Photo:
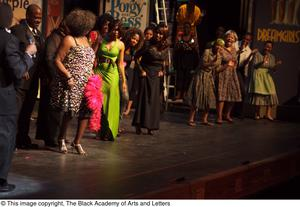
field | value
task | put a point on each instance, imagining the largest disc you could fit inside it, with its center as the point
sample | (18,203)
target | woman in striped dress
(201,92)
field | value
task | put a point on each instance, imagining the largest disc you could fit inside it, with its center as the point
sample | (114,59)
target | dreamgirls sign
(134,13)
(279,21)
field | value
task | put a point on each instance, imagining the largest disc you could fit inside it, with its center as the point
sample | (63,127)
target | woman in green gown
(111,50)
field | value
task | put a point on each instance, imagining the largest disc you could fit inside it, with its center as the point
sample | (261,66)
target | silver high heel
(62,146)
(78,148)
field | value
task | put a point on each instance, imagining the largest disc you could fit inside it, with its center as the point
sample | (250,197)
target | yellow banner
(275,35)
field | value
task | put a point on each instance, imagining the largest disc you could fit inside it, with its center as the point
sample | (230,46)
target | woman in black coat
(152,57)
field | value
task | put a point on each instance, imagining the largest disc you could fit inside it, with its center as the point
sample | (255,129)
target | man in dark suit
(27,32)
(13,65)
(49,128)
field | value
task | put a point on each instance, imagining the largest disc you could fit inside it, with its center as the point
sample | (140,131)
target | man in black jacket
(48,126)
(13,65)
(27,32)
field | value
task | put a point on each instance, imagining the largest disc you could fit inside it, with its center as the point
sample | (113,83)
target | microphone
(31,40)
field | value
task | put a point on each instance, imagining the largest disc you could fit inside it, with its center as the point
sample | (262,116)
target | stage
(221,161)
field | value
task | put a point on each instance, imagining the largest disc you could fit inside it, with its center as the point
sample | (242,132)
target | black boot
(5,187)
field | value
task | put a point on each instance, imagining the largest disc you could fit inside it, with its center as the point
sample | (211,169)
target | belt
(105,60)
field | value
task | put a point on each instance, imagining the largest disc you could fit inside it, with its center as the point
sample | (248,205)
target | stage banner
(19,7)
(279,21)
(133,13)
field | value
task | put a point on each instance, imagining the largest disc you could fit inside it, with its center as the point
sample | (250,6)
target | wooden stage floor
(142,166)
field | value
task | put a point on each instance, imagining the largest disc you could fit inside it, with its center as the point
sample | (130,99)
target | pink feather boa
(94,97)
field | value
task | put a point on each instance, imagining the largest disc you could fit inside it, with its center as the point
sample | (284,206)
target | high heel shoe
(78,148)
(270,118)
(62,146)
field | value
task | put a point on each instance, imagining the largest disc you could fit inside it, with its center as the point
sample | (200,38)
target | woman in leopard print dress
(74,61)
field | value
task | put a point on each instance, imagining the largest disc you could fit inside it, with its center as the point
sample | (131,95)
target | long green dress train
(108,70)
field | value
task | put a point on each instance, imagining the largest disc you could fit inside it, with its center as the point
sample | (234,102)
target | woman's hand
(266,59)
(160,73)
(143,74)
(220,50)
(231,63)
(71,82)
(124,86)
